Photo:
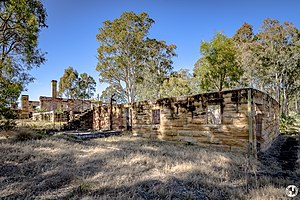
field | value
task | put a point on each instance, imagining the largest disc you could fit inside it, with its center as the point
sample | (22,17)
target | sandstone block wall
(25,106)
(219,119)
(187,119)
(102,121)
(50,116)
(266,120)
(50,104)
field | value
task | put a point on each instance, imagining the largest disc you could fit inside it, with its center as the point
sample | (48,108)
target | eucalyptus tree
(218,68)
(246,55)
(20,24)
(157,68)
(76,86)
(128,58)
(278,52)
(68,83)
(86,86)
(180,83)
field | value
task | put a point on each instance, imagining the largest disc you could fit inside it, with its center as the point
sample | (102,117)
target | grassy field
(129,167)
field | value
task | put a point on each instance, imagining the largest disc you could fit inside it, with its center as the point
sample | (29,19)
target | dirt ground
(126,167)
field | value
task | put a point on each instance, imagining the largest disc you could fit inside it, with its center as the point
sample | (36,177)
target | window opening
(214,114)
(156,116)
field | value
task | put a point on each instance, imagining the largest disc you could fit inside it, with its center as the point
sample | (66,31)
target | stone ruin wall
(25,107)
(101,117)
(50,116)
(266,120)
(189,119)
(50,104)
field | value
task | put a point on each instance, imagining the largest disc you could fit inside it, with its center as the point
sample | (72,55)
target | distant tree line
(139,68)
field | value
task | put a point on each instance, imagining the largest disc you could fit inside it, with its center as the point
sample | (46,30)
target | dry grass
(129,168)
(39,124)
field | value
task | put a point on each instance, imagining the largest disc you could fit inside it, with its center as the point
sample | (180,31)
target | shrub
(23,134)
(7,117)
(286,121)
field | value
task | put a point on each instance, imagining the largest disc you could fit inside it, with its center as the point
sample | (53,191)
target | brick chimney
(54,88)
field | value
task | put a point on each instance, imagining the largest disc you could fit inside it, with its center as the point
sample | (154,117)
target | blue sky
(70,39)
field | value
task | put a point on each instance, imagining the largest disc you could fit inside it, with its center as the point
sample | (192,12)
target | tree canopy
(127,57)
(180,83)
(68,83)
(270,58)
(218,68)
(76,86)
(20,25)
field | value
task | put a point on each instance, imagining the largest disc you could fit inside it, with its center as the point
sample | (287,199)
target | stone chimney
(25,103)
(54,88)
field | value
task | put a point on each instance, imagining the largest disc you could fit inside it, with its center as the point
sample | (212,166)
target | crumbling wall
(51,116)
(233,120)
(143,118)
(25,106)
(211,119)
(217,119)
(102,120)
(49,104)
(266,121)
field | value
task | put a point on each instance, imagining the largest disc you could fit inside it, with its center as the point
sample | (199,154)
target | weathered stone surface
(186,119)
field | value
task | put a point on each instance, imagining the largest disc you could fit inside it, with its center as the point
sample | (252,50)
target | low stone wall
(102,121)
(219,119)
(75,105)
(51,116)
(211,119)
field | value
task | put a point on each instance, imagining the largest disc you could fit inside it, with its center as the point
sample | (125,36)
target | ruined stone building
(239,120)
(234,119)
(46,106)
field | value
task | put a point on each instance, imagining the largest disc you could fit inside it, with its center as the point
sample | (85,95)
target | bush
(6,125)
(287,121)
(23,134)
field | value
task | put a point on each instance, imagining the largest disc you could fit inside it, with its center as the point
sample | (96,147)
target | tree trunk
(285,103)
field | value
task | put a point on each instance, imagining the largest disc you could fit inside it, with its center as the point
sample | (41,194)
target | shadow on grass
(127,168)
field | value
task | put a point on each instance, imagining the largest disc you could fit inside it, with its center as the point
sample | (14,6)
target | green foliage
(76,86)
(7,122)
(68,83)
(280,59)
(40,110)
(245,44)
(86,86)
(270,59)
(9,93)
(23,134)
(286,121)
(20,24)
(178,84)
(218,68)
(128,59)
(157,68)
(111,90)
